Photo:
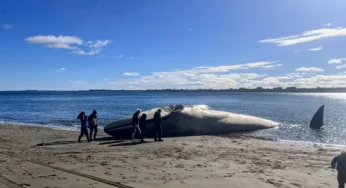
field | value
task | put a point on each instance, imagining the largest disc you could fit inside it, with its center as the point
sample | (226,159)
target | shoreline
(198,161)
(76,128)
(238,90)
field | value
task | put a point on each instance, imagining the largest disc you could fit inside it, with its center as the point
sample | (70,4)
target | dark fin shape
(317,121)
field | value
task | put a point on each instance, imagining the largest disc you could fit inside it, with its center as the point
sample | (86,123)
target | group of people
(90,121)
(139,125)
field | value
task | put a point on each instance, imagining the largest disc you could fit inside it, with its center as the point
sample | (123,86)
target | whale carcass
(179,120)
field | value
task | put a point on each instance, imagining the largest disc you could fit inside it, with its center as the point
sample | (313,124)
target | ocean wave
(311,144)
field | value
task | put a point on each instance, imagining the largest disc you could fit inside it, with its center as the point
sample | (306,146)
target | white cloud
(69,43)
(130,74)
(336,60)
(118,56)
(307,36)
(228,68)
(95,47)
(51,41)
(61,70)
(341,66)
(291,76)
(309,69)
(319,81)
(315,49)
(198,77)
(215,81)
(194,79)
(271,66)
(328,24)
(7,26)
(221,77)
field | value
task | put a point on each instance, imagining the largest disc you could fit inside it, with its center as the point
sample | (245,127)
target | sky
(177,44)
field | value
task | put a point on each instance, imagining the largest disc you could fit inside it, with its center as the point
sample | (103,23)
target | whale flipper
(317,121)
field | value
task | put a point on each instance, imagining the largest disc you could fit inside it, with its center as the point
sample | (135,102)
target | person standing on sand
(83,126)
(93,124)
(142,123)
(135,123)
(158,125)
(340,162)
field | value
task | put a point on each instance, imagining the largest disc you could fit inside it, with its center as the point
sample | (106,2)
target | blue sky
(133,44)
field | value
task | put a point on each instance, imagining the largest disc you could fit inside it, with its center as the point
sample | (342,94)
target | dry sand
(200,161)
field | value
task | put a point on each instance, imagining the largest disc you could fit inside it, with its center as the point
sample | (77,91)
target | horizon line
(173,89)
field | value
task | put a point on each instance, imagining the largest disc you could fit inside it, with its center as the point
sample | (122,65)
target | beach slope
(42,157)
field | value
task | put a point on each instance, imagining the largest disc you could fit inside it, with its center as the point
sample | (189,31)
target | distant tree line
(258,89)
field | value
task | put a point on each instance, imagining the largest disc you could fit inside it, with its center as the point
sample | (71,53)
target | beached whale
(179,120)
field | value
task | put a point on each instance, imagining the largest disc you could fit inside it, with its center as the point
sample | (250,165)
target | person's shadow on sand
(57,143)
(111,141)
(102,140)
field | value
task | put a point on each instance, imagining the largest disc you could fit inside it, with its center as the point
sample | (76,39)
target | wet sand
(28,156)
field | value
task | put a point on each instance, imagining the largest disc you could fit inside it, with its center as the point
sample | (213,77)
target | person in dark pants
(93,124)
(142,123)
(135,124)
(340,162)
(158,125)
(83,126)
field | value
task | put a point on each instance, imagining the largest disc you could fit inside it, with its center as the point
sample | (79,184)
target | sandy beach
(29,155)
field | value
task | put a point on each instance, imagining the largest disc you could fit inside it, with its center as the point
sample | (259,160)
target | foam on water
(52,126)
(312,144)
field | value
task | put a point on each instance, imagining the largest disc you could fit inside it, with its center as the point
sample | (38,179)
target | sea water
(59,109)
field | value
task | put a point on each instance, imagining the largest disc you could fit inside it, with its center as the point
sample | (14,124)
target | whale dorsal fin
(317,121)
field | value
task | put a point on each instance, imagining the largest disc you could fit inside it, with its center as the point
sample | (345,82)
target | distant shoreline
(240,90)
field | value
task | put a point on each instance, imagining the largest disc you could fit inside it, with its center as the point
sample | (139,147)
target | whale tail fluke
(317,121)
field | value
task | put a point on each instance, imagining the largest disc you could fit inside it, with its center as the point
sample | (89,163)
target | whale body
(180,120)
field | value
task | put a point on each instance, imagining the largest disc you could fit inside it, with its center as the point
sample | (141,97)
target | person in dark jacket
(340,162)
(93,124)
(158,125)
(83,126)
(142,123)
(135,123)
